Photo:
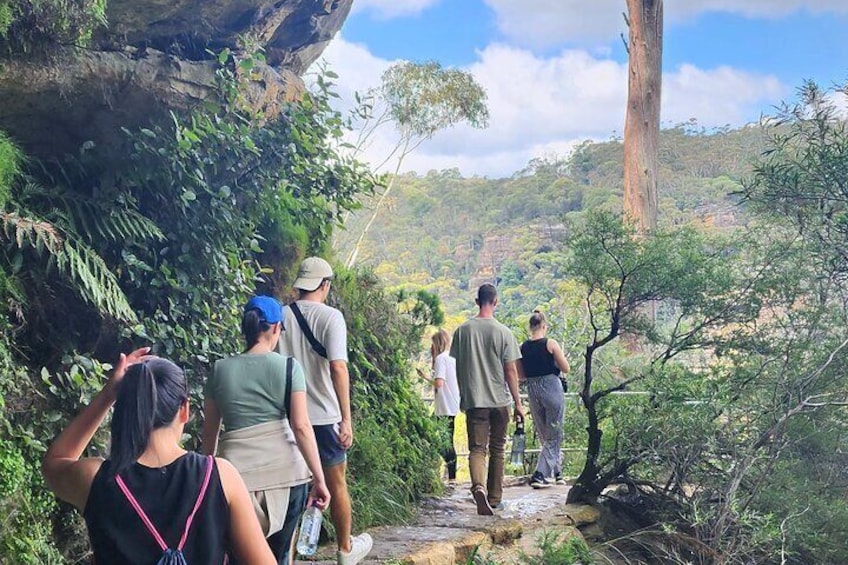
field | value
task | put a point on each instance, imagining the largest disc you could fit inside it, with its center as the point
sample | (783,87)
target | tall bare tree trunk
(642,124)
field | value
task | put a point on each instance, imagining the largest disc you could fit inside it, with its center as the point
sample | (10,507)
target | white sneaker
(360,546)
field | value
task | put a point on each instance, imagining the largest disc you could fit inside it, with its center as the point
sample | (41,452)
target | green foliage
(204,210)
(554,550)
(424,98)
(802,177)
(11,160)
(27,25)
(26,507)
(732,406)
(422,307)
(701,293)
(237,195)
(394,460)
(60,231)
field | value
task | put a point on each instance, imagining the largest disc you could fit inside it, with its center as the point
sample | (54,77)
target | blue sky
(555,70)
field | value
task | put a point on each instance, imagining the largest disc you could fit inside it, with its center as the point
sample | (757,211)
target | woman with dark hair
(542,360)
(152,500)
(260,397)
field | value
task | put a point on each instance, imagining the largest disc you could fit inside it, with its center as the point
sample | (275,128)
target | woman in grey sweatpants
(542,361)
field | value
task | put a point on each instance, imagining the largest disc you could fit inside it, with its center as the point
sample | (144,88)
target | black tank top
(167,495)
(536,359)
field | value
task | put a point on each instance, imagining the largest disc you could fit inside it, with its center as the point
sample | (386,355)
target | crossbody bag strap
(149,525)
(287,399)
(307,331)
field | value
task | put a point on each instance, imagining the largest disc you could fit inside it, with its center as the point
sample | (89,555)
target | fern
(35,233)
(74,259)
(68,227)
(94,281)
(89,217)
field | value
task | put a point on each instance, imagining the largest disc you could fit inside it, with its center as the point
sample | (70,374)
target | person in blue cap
(260,397)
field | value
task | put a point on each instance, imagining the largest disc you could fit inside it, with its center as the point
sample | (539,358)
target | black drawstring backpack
(169,556)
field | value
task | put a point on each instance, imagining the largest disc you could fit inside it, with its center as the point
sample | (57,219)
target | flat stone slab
(447,529)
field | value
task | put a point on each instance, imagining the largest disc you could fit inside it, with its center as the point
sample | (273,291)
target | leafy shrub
(26,506)
(30,24)
(558,551)
(395,458)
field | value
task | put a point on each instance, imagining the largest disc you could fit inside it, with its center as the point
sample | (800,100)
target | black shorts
(330,450)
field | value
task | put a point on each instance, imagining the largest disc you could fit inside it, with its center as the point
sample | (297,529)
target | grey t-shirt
(481,346)
(328,327)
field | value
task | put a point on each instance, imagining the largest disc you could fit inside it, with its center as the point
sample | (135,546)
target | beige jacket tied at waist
(268,459)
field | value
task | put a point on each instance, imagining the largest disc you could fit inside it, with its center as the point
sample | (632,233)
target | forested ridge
(728,321)
(445,232)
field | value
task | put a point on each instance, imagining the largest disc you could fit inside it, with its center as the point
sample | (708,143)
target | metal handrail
(576,396)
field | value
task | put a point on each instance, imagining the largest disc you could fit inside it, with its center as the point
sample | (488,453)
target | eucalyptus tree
(419,99)
(802,178)
(621,274)
(642,123)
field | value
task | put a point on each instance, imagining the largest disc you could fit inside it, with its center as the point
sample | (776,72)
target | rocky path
(448,531)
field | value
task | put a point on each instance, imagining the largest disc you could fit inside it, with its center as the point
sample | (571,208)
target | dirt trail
(447,530)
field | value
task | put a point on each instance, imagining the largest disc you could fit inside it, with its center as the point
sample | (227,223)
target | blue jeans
(281,541)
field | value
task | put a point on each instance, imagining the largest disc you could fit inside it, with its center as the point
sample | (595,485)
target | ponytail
(149,396)
(252,326)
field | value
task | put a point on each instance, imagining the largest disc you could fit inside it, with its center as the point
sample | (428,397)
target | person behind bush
(542,360)
(152,501)
(446,391)
(260,396)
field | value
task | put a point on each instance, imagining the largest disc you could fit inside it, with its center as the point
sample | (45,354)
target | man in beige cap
(316,335)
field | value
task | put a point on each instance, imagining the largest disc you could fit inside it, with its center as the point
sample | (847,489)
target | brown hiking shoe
(483,508)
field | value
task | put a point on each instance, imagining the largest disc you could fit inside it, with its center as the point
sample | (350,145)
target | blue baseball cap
(270,309)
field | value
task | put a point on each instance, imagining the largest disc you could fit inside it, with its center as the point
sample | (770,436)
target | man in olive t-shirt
(486,356)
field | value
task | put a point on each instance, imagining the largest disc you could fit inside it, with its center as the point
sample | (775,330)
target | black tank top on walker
(536,359)
(167,496)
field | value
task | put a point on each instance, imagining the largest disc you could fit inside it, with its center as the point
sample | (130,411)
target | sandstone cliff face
(154,57)
(293,32)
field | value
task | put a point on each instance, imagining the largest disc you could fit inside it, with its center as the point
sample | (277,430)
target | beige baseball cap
(312,271)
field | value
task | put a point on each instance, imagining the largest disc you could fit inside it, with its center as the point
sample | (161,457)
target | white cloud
(542,105)
(718,96)
(839,100)
(387,9)
(541,23)
(359,70)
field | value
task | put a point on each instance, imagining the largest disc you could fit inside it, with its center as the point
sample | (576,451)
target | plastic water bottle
(310,530)
(518,442)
